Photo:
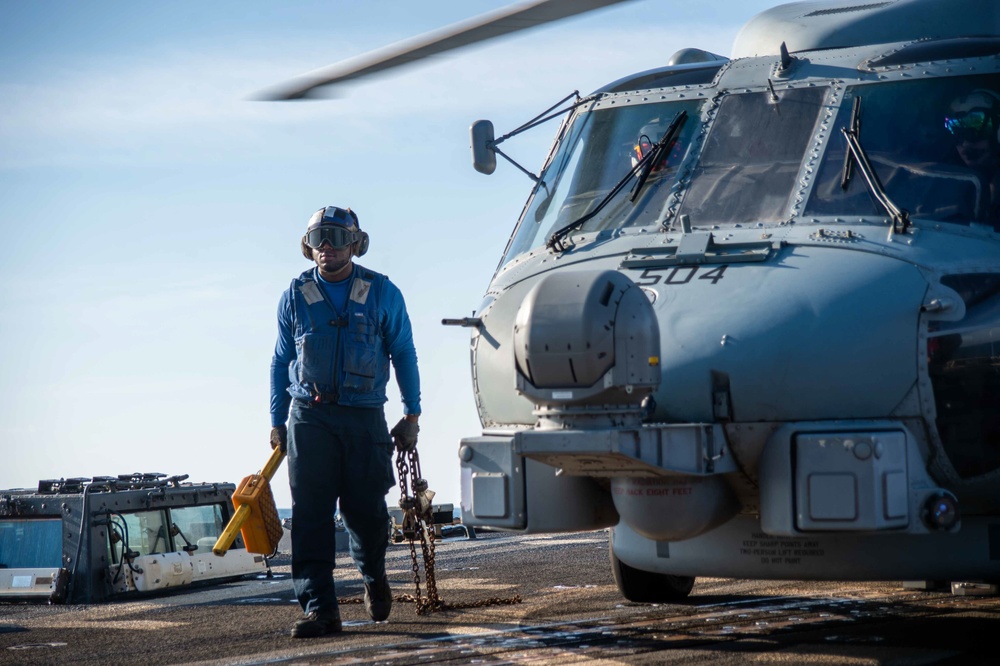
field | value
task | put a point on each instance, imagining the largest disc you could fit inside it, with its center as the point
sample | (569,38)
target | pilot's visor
(336,236)
(972,126)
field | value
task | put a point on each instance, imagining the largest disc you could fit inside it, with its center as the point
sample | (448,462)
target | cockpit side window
(139,533)
(934,144)
(964,367)
(190,529)
(750,163)
(196,528)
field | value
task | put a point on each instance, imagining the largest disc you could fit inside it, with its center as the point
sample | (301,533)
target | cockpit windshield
(934,144)
(598,150)
(749,166)
(745,174)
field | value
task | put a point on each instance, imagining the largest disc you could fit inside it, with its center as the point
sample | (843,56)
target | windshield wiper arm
(643,167)
(658,152)
(848,172)
(856,153)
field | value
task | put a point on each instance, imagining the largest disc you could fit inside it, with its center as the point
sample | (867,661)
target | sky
(151,212)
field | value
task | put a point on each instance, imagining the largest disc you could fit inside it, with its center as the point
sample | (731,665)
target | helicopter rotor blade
(481,28)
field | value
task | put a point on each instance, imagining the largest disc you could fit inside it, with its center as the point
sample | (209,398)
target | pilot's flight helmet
(648,135)
(975,116)
(337,226)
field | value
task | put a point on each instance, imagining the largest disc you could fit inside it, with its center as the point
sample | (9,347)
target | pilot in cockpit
(973,121)
(644,142)
(648,136)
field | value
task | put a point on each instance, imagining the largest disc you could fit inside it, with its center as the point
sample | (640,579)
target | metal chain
(418,521)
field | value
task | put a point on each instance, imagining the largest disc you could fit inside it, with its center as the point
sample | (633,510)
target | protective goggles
(975,125)
(336,236)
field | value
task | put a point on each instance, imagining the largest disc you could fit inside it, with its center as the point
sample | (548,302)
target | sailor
(339,327)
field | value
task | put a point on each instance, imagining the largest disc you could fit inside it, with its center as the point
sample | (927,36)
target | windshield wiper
(643,167)
(856,154)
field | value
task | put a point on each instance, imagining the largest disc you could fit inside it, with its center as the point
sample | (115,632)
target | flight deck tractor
(87,540)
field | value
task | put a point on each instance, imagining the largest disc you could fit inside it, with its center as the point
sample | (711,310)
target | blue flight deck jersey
(339,339)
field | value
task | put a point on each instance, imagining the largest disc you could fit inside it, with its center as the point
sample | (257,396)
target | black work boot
(317,624)
(378,599)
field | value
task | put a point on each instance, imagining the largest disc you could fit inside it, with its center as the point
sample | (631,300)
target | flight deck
(570,612)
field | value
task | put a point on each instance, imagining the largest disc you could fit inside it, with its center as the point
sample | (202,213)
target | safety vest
(340,353)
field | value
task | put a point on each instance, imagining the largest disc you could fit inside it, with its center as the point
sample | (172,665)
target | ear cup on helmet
(361,247)
(342,217)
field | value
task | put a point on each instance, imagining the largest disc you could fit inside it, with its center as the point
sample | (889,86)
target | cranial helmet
(337,226)
(649,134)
(975,116)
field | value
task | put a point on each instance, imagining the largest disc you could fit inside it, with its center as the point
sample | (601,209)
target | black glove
(279,438)
(405,434)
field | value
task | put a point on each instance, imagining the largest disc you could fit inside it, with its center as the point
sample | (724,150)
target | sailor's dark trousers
(337,453)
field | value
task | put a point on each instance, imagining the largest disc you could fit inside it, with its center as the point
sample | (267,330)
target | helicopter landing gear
(647,586)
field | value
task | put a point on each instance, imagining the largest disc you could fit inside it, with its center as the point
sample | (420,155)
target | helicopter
(749,317)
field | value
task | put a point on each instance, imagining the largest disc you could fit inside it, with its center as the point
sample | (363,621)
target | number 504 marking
(680,275)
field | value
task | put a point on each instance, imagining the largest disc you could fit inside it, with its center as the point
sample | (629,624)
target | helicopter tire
(647,586)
